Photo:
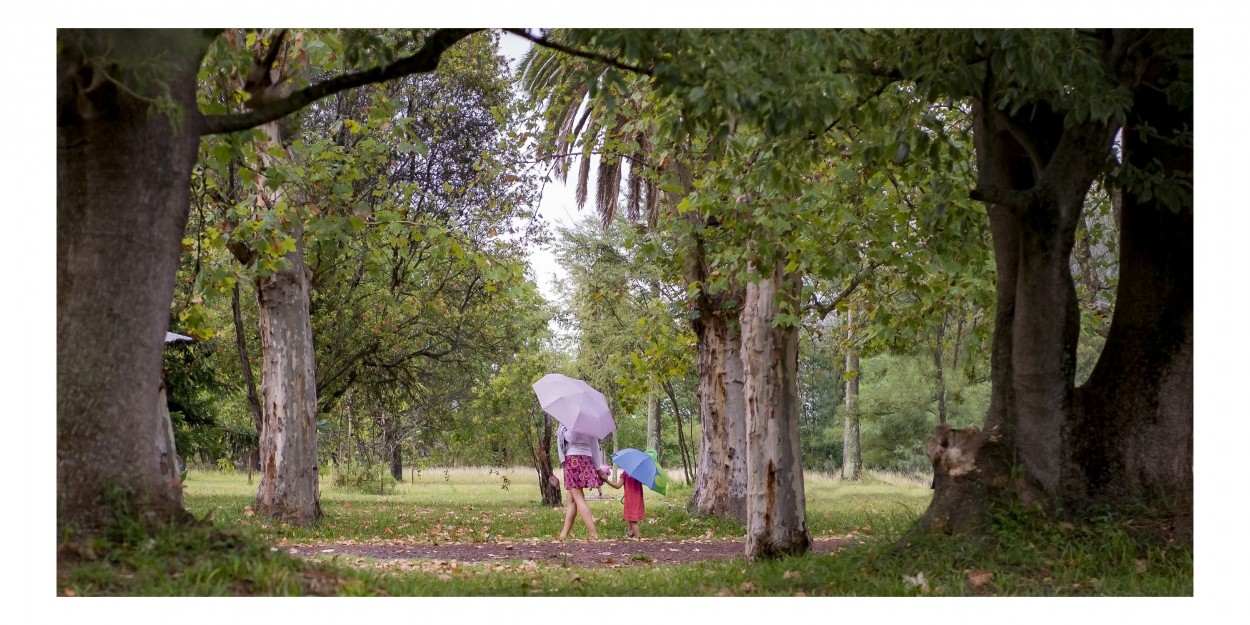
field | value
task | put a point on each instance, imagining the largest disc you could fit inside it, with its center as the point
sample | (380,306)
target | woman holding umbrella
(580,456)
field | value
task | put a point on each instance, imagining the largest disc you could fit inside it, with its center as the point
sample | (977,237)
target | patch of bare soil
(581,553)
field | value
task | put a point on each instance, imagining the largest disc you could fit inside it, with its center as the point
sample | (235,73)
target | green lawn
(1026,556)
(472,504)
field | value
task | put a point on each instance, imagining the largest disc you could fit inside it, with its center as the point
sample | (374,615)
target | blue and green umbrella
(642,466)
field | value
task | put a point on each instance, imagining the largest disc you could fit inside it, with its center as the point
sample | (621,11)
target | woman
(580,456)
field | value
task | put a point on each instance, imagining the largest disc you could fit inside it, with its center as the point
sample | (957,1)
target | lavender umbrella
(575,404)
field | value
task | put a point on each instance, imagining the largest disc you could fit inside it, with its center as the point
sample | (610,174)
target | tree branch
(1016,201)
(594,56)
(812,136)
(423,61)
(824,308)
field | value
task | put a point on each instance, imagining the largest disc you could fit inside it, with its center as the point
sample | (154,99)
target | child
(634,508)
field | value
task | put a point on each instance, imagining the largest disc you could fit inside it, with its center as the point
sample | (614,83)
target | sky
(28,264)
(557,207)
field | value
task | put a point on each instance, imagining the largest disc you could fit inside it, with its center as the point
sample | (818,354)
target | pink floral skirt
(579,472)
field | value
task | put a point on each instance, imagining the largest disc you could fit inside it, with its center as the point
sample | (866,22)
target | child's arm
(607,479)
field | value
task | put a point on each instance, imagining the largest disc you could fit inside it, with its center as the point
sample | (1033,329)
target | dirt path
(602,553)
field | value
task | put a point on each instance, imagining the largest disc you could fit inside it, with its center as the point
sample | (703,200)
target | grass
(1027,555)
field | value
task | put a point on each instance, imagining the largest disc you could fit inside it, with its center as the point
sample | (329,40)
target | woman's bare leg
(583,510)
(570,511)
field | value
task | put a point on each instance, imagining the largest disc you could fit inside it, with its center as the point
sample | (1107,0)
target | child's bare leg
(633,529)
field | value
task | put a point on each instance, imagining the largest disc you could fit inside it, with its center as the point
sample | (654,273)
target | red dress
(634,509)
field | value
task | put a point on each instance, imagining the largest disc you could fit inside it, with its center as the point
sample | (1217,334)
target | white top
(570,443)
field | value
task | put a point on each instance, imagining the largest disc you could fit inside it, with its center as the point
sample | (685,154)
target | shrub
(373,479)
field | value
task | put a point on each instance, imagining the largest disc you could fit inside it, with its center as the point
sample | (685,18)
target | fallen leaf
(800,594)
(746,586)
(791,575)
(69,592)
(917,580)
(979,578)
(1141,566)
(725,592)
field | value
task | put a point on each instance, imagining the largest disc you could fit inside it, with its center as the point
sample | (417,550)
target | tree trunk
(681,434)
(1033,361)
(396,447)
(941,376)
(541,457)
(1132,432)
(720,479)
(249,382)
(123,174)
(852,460)
(653,423)
(167,454)
(288,487)
(245,363)
(776,508)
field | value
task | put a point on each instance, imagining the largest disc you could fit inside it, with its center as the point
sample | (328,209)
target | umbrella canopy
(642,467)
(170,337)
(575,404)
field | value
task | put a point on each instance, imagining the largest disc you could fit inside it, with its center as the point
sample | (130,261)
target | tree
(591,106)
(382,193)
(1038,152)
(128,128)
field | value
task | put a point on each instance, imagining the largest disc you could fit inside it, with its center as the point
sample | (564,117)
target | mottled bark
(720,479)
(720,476)
(166,453)
(940,374)
(123,174)
(288,487)
(776,507)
